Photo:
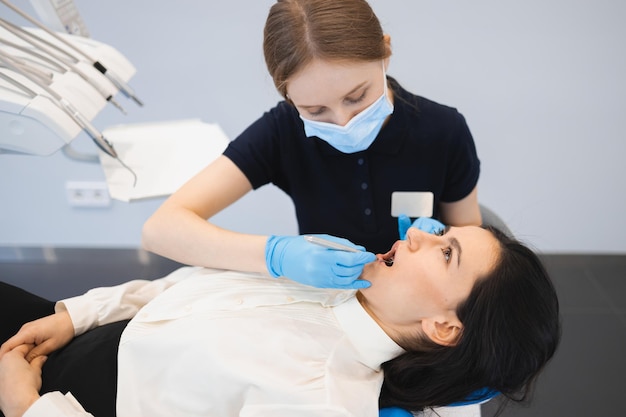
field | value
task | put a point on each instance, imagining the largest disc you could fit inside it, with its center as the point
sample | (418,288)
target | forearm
(104,305)
(20,409)
(465,212)
(179,228)
(19,403)
(183,236)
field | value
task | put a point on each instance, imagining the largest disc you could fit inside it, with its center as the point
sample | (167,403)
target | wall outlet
(87,194)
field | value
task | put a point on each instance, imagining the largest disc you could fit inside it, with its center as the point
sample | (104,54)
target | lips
(388,258)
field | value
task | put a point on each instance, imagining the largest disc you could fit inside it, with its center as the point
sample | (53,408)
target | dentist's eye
(356,100)
(317,112)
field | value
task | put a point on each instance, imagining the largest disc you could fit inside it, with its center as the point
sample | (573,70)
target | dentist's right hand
(299,260)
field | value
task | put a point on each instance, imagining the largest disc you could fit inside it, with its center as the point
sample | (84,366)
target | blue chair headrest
(477,397)
(393,412)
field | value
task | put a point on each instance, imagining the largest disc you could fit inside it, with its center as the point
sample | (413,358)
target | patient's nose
(417,238)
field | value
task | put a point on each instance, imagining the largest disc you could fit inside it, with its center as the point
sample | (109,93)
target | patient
(455,312)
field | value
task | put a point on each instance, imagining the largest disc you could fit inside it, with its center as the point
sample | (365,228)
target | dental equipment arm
(61,102)
(52,86)
(112,76)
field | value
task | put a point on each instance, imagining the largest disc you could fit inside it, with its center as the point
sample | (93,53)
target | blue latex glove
(426,224)
(299,260)
(393,412)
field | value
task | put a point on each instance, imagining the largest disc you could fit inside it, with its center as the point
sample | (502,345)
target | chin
(371,272)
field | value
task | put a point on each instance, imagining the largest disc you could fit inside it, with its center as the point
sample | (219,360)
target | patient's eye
(447,254)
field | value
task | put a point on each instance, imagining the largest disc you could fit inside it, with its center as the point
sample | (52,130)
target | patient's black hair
(511,329)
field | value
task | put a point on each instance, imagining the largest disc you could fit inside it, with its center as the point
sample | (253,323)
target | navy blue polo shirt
(424,146)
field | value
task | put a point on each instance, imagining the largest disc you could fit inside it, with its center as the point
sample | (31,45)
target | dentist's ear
(387,40)
(444,332)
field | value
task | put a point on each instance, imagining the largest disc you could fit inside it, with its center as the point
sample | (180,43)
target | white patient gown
(216,343)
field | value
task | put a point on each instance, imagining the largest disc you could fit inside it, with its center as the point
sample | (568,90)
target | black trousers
(87,366)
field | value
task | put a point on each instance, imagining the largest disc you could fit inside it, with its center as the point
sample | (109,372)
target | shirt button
(368,212)
(361,161)
(239,301)
(290,299)
(364,186)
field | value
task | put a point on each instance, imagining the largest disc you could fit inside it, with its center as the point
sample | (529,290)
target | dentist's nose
(343,118)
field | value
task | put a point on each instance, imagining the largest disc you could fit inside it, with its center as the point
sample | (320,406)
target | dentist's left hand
(425,224)
(299,260)
(20,381)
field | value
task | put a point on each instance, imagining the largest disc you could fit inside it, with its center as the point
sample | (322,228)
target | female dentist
(345,138)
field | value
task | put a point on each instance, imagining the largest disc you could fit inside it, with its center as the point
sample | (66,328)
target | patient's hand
(20,381)
(45,335)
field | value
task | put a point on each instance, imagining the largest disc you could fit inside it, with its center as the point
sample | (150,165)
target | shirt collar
(372,344)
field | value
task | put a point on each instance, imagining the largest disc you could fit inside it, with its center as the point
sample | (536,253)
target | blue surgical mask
(359,133)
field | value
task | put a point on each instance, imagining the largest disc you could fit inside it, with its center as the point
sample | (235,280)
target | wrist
(272,258)
(21,406)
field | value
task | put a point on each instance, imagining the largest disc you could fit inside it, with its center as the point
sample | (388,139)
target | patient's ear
(444,332)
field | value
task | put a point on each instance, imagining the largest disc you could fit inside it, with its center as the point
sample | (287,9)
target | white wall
(541,84)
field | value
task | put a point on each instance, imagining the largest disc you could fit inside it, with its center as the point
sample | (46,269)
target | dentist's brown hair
(298,31)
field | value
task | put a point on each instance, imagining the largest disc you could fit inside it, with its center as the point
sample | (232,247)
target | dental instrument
(329,244)
(34,121)
(17,66)
(56,56)
(114,78)
(13,65)
(337,246)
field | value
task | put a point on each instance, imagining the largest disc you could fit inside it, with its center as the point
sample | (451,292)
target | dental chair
(492,219)
(471,406)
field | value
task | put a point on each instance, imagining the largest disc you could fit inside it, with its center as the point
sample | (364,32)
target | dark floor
(582,380)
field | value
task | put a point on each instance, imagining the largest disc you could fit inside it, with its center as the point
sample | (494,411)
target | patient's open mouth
(388,258)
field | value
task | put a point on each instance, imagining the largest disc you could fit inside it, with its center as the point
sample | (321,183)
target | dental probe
(329,244)
(337,246)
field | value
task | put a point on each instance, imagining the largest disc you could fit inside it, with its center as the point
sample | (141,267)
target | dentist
(343,140)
